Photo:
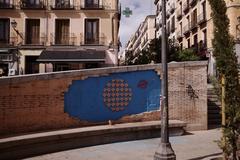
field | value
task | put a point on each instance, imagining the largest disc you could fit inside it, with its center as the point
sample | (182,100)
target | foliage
(226,61)
(153,54)
(187,55)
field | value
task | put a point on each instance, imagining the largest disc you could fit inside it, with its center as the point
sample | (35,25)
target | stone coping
(47,142)
(95,72)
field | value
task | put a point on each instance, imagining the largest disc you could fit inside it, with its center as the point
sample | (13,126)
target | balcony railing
(34,41)
(94,6)
(201,18)
(25,4)
(6,4)
(194,25)
(186,29)
(101,40)
(63,5)
(186,6)
(172,7)
(179,35)
(168,14)
(192,2)
(179,13)
(65,40)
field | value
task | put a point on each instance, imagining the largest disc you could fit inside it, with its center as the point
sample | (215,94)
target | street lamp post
(164,151)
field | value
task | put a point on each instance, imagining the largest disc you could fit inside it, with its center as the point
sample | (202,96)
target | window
(195,38)
(173,24)
(62,31)
(204,9)
(194,18)
(4,31)
(91,31)
(92,3)
(189,43)
(32,31)
(205,37)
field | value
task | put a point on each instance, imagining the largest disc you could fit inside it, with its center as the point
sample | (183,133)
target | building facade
(143,36)
(189,22)
(39,36)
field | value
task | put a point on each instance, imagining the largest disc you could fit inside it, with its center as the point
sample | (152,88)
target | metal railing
(186,6)
(60,5)
(201,18)
(7,4)
(186,29)
(194,24)
(179,13)
(41,4)
(172,7)
(65,39)
(31,40)
(93,6)
(179,34)
(192,2)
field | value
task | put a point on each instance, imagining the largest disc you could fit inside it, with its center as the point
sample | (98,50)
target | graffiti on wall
(98,99)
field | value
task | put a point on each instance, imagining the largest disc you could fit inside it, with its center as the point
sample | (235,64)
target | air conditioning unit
(12,72)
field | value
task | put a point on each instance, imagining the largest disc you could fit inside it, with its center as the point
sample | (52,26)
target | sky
(140,9)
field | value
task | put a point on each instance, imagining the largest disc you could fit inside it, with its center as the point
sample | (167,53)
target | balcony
(192,2)
(26,4)
(168,14)
(186,29)
(179,35)
(179,14)
(62,5)
(63,40)
(33,41)
(93,6)
(6,4)
(194,25)
(186,6)
(201,18)
(172,8)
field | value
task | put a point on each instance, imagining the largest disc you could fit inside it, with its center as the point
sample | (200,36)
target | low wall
(32,103)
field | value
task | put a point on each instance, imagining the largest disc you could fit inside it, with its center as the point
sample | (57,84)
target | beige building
(55,35)
(190,23)
(143,36)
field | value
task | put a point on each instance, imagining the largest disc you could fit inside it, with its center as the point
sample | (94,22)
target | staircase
(214,109)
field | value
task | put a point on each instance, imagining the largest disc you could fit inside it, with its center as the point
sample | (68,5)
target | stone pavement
(193,146)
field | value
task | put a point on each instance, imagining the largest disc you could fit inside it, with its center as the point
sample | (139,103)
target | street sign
(127,12)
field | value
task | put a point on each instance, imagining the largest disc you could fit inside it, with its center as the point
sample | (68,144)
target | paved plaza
(192,146)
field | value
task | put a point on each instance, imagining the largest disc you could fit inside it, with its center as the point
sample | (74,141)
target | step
(214,121)
(41,143)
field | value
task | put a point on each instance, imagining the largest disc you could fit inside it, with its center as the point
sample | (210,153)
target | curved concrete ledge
(41,143)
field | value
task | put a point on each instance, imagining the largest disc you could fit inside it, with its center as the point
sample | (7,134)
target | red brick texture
(36,102)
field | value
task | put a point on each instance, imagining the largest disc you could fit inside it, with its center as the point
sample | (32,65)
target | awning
(72,56)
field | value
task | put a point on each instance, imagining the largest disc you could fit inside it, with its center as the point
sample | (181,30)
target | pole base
(165,152)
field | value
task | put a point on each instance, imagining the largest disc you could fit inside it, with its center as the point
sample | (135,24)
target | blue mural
(99,99)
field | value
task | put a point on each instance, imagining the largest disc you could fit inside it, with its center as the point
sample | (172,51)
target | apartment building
(189,22)
(39,36)
(143,36)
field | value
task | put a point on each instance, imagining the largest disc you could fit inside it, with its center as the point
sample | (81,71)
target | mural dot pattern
(116,95)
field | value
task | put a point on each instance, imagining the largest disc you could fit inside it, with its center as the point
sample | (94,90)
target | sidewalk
(194,146)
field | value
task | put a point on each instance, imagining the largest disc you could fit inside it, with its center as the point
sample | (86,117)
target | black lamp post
(164,151)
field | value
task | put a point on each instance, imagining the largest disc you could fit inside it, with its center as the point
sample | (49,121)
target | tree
(226,62)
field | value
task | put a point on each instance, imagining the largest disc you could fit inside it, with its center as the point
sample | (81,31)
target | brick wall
(33,103)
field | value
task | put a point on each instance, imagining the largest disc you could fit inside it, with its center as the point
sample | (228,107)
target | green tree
(226,62)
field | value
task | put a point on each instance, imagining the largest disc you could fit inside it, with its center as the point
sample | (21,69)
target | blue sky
(140,8)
